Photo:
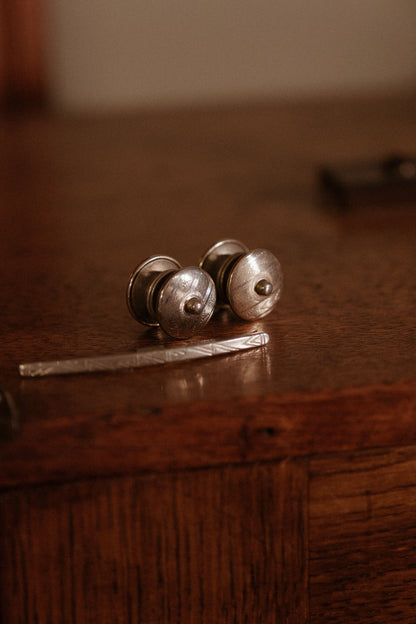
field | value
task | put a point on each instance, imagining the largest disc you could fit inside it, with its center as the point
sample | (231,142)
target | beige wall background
(129,53)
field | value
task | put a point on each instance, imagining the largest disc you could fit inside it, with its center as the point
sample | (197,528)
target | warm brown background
(101,55)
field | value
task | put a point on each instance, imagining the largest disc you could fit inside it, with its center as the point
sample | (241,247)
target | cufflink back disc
(179,300)
(250,282)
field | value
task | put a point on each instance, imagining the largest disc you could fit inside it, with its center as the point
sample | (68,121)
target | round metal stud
(179,300)
(250,282)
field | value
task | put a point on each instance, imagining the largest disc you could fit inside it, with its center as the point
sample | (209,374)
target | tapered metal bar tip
(152,356)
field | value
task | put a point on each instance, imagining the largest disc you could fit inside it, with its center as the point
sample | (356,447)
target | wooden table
(276,485)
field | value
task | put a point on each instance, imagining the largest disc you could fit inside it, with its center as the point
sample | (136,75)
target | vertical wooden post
(22,59)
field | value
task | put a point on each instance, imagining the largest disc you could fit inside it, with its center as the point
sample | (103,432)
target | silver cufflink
(250,282)
(162,293)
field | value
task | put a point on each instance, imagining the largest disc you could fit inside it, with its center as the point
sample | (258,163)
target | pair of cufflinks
(181,300)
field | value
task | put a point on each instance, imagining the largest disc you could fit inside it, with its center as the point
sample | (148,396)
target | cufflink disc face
(185,302)
(254,284)
(179,300)
(216,261)
(141,286)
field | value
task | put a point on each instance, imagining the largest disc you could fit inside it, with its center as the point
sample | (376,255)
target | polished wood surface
(275,485)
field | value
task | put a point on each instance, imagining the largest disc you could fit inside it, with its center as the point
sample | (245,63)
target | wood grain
(363,537)
(204,546)
(201,434)
(83,200)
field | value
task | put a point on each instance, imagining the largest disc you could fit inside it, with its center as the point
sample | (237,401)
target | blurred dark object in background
(388,181)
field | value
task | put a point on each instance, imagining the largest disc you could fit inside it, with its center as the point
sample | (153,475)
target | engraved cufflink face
(179,300)
(250,282)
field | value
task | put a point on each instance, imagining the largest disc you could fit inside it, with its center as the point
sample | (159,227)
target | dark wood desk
(277,485)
